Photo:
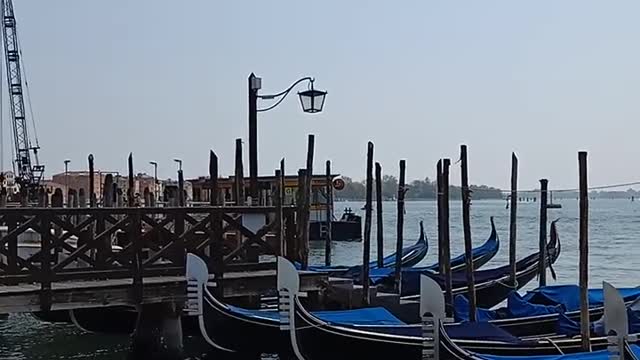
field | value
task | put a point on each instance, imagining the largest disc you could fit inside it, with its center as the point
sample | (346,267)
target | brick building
(80,180)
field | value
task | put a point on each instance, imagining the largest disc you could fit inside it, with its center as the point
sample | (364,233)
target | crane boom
(28,172)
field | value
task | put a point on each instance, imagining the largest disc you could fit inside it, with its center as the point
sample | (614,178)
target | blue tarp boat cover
(547,300)
(517,306)
(594,355)
(569,296)
(366,316)
(480,331)
(635,349)
(461,310)
(569,327)
(465,330)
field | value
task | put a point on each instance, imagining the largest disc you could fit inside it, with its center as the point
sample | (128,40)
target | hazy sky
(167,79)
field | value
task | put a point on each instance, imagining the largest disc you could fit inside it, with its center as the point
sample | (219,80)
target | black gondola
(226,326)
(480,256)
(314,339)
(492,285)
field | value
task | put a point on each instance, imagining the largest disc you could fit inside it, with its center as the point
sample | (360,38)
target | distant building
(77,180)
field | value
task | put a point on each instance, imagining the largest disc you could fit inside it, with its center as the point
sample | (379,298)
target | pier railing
(46,245)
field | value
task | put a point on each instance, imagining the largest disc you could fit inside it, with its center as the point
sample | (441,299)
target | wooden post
(146,195)
(329,214)
(24,197)
(542,272)
(41,197)
(92,186)
(3,197)
(584,252)
(302,220)
(12,245)
(181,195)
(440,216)
(45,262)
(400,226)
(104,247)
(216,245)
(513,216)
(135,234)
(446,245)
(82,198)
(366,249)
(277,202)
(131,189)
(238,188)
(379,220)
(290,236)
(466,224)
(281,196)
(307,198)
(253,137)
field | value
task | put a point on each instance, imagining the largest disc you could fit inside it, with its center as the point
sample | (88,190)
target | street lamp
(155,178)
(311,100)
(66,179)
(179,164)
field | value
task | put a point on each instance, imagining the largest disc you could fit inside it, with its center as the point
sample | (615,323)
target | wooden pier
(77,266)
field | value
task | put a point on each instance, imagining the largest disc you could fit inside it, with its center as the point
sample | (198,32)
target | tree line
(417,189)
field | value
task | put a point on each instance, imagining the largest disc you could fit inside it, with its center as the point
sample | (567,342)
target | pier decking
(67,295)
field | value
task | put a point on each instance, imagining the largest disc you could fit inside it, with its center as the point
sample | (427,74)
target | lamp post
(179,161)
(155,178)
(66,179)
(311,100)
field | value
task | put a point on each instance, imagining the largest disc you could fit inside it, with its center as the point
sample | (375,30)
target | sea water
(614,229)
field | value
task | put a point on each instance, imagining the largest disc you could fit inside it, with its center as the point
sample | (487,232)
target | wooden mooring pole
(329,215)
(466,224)
(513,218)
(446,245)
(366,248)
(238,188)
(400,226)
(379,220)
(281,198)
(584,252)
(131,189)
(542,245)
(439,209)
(216,264)
(306,207)
(92,185)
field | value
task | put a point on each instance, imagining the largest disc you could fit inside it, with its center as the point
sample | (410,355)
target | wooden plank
(112,292)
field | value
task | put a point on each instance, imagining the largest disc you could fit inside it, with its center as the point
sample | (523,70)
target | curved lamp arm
(283,93)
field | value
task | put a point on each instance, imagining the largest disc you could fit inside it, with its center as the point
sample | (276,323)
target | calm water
(614,228)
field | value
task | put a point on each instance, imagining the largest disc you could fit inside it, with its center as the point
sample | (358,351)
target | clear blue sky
(167,79)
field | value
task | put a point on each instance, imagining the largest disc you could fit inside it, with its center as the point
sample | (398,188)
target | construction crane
(28,170)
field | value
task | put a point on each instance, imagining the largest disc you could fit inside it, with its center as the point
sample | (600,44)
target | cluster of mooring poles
(444,251)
